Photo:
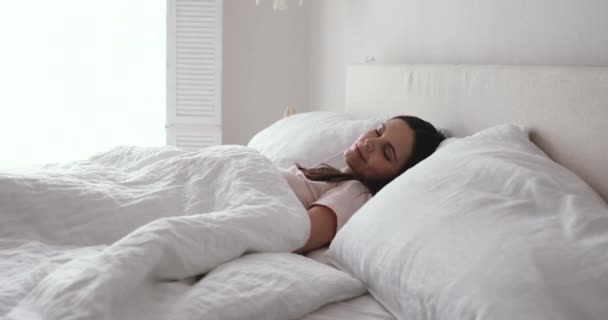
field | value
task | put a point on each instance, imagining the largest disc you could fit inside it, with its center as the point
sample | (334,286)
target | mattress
(361,308)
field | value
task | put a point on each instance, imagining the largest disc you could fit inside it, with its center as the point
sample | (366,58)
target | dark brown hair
(426,140)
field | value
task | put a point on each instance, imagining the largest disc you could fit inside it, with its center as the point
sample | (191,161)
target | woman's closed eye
(386,154)
(385,151)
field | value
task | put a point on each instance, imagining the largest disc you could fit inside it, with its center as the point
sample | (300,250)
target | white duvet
(128,233)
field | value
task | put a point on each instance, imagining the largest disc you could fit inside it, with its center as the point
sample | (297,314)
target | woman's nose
(369,144)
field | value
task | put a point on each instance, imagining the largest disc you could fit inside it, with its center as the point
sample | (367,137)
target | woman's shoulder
(353,186)
(292,171)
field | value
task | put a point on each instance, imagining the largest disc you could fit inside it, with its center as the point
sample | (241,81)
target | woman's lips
(359,153)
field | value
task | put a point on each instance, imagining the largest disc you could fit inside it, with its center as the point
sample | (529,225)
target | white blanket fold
(115,236)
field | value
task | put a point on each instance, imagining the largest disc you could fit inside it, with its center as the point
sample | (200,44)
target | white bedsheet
(364,307)
(122,235)
(361,308)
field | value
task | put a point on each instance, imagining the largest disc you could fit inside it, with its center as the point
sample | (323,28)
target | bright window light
(80,76)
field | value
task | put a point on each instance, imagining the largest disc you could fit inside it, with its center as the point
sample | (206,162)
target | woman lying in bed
(333,195)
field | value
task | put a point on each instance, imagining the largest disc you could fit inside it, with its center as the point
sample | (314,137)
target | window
(80,76)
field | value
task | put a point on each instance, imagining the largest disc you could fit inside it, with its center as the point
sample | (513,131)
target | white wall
(328,53)
(548,32)
(265,67)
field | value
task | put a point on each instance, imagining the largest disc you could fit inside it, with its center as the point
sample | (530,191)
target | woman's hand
(323,224)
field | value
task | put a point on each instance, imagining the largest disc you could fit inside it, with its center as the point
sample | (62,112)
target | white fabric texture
(488,227)
(115,236)
(364,307)
(273,286)
(311,138)
(360,308)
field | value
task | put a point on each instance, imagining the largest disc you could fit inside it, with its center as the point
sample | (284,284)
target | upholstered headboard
(566,108)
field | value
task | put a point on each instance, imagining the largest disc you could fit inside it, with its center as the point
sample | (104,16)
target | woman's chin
(350,160)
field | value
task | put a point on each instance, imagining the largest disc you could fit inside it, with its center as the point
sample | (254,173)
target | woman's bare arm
(323,225)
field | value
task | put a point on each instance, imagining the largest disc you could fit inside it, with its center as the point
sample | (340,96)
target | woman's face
(381,152)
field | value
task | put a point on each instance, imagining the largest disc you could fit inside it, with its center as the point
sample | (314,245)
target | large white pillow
(488,227)
(311,138)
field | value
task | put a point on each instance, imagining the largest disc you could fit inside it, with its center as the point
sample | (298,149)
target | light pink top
(344,198)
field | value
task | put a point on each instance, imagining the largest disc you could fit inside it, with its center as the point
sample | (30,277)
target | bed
(565,107)
(545,260)
(364,307)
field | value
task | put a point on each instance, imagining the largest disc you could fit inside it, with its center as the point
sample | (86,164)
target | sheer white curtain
(80,76)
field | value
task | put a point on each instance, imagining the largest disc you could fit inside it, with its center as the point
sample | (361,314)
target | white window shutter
(194,64)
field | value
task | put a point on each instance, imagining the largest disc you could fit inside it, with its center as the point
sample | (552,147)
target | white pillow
(488,227)
(311,138)
(272,286)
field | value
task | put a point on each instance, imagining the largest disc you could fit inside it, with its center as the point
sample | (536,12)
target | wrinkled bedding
(128,233)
